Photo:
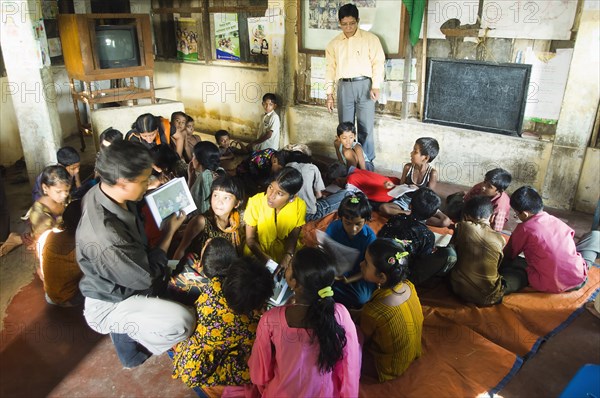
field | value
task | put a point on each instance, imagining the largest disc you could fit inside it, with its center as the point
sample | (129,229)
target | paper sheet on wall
(549,73)
(523,19)
(439,11)
(318,66)
(529,19)
(394,69)
(392,91)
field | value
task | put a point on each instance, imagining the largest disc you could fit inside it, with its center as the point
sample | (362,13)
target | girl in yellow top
(274,219)
(392,321)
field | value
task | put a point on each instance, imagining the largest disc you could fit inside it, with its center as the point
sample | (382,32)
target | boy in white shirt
(270,126)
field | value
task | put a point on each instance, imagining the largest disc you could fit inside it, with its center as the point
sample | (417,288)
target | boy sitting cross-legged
(478,247)
(553,263)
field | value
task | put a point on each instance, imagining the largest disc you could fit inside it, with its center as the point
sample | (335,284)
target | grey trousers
(354,102)
(155,323)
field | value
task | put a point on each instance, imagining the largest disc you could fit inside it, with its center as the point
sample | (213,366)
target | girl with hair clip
(46,212)
(202,170)
(352,230)
(221,220)
(392,321)
(309,348)
(275,218)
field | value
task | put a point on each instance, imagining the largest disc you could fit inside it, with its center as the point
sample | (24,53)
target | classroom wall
(11,149)
(465,155)
(588,189)
(217,97)
(10,142)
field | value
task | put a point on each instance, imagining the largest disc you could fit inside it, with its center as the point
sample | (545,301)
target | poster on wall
(318,67)
(323,14)
(187,39)
(549,73)
(227,36)
(257,35)
(42,40)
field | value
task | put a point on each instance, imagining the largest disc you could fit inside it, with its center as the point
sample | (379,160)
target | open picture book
(400,190)
(281,292)
(172,197)
(344,257)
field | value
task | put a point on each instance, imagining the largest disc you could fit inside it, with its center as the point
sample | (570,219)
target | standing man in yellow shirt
(355,62)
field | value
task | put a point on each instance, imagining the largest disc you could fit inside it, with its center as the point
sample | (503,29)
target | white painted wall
(10,142)
(588,189)
(217,97)
(464,158)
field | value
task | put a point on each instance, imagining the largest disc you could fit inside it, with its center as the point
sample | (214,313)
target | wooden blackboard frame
(454,87)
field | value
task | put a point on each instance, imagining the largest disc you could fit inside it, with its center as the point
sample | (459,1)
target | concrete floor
(49,351)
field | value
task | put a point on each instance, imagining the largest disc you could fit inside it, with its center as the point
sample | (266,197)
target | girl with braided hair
(392,321)
(309,348)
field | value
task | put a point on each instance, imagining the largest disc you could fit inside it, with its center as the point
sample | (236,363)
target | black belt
(354,79)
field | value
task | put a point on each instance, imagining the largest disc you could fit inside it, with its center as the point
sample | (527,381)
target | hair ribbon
(325,292)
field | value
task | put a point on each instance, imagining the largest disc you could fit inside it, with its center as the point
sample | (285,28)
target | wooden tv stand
(89,92)
(82,61)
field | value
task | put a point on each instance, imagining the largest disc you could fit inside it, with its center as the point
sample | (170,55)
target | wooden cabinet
(87,65)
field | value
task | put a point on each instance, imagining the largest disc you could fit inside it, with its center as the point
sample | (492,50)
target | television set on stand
(117,46)
(106,46)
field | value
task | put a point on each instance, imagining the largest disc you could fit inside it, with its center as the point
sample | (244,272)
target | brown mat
(468,350)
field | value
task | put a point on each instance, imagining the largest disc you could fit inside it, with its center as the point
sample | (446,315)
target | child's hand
(388,185)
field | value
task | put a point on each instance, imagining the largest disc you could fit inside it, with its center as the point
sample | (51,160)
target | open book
(282,292)
(400,190)
(344,257)
(172,197)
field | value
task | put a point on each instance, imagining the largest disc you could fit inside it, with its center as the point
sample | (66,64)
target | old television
(102,46)
(117,46)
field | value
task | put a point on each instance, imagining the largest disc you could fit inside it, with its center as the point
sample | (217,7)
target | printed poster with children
(187,39)
(257,29)
(323,14)
(227,37)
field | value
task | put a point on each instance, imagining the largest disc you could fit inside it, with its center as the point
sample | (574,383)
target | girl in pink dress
(309,348)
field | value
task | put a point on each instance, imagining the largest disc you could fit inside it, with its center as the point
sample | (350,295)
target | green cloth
(415,9)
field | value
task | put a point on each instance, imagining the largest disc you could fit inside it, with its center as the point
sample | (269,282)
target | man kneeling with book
(123,279)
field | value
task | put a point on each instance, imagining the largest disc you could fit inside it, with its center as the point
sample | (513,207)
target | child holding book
(222,219)
(392,321)
(275,218)
(323,357)
(419,173)
(553,263)
(228,310)
(475,276)
(197,268)
(352,230)
(427,261)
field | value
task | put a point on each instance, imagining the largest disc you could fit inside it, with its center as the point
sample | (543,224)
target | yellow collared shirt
(359,55)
